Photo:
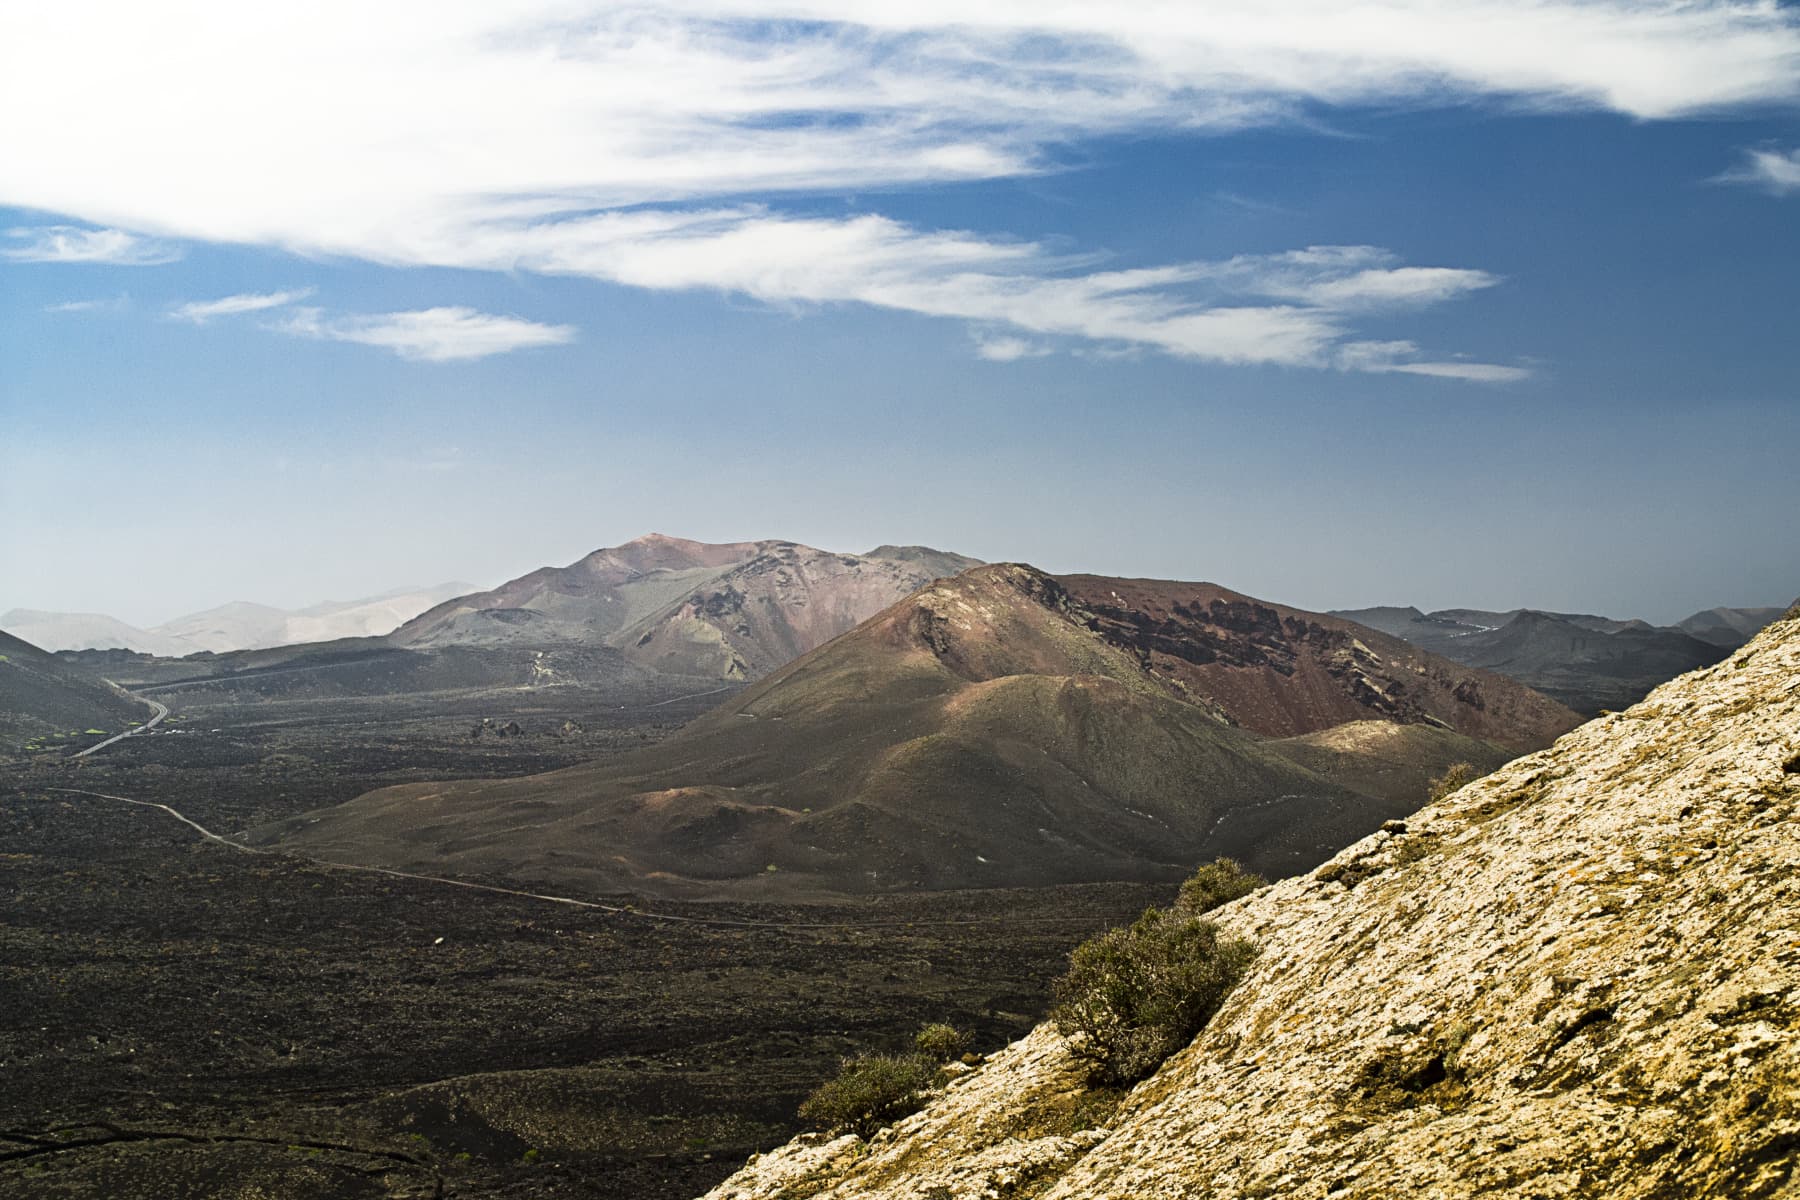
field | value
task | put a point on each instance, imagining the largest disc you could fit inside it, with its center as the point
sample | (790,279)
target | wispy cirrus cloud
(201,311)
(1769,168)
(1292,309)
(109,304)
(603,139)
(448,334)
(1404,358)
(72,244)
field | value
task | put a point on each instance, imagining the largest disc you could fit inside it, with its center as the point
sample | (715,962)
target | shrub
(1219,882)
(940,1042)
(1142,993)
(1455,776)
(870,1090)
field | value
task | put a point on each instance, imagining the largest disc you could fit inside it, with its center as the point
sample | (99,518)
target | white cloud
(1473,372)
(332,125)
(1776,170)
(431,334)
(1210,311)
(202,311)
(1008,349)
(81,306)
(607,138)
(70,244)
(1402,358)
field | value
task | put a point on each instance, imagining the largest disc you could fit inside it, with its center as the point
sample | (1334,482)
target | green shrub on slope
(1218,882)
(940,1042)
(870,1090)
(1142,993)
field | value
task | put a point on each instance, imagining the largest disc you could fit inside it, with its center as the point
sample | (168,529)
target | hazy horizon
(149,612)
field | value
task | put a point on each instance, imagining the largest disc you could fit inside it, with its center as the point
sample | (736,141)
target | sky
(1471,303)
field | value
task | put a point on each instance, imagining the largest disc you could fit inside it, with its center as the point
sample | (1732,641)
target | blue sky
(1455,304)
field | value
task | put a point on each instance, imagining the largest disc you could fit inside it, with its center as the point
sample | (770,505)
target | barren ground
(178,1018)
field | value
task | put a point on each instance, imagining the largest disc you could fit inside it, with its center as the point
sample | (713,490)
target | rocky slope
(732,611)
(1283,672)
(989,730)
(1578,977)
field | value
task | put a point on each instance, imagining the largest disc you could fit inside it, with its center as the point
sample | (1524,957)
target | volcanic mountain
(1575,978)
(1000,728)
(654,615)
(732,611)
(40,694)
(1588,662)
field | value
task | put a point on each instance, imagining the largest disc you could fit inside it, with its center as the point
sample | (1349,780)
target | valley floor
(179,1018)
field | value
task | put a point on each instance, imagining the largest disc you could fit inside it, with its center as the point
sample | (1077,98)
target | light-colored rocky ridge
(1577,977)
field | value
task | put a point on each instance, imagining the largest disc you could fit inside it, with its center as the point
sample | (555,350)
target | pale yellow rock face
(1577,977)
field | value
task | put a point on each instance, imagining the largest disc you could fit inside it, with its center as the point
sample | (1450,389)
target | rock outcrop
(1577,977)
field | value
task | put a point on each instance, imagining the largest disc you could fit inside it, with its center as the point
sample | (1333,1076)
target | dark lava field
(180,1018)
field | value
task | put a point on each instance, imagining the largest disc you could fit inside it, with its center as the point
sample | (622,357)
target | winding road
(162,710)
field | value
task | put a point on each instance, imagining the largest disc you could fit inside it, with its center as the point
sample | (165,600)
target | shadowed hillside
(989,730)
(1584,668)
(1589,663)
(41,695)
(368,667)
(1729,627)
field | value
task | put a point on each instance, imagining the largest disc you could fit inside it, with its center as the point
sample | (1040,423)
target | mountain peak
(727,611)
(670,541)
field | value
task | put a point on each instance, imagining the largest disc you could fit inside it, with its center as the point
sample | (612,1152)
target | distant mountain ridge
(56,631)
(1730,627)
(731,611)
(1003,727)
(239,625)
(1588,662)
